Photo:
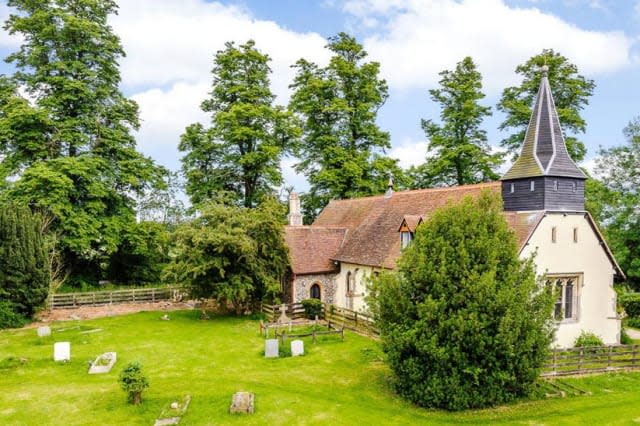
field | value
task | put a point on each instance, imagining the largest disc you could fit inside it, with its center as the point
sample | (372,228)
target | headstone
(242,402)
(283,315)
(62,351)
(103,364)
(271,348)
(44,331)
(297,347)
(165,317)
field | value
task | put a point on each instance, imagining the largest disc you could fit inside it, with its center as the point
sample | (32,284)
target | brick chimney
(295,217)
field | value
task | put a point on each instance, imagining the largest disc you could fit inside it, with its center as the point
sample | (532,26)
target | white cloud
(410,152)
(7,40)
(419,38)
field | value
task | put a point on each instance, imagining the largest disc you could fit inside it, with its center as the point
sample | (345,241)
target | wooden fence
(98,298)
(593,359)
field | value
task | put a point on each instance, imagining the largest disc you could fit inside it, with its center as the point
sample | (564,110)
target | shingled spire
(544,177)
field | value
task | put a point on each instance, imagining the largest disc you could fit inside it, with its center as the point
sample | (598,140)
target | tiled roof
(311,248)
(544,152)
(411,221)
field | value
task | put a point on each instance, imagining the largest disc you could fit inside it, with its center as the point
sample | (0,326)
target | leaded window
(567,297)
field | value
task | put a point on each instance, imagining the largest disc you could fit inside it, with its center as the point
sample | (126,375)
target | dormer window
(405,238)
(408,228)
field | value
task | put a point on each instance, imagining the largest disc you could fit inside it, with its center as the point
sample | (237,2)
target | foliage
(241,151)
(570,90)
(586,339)
(233,254)
(24,264)
(342,148)
(312,308)
(463,321)
(9,317)
(633,322)
(133,382)
(631,304)
(162,203)
(624,338)
(459,152)
(67,143)
(619,199)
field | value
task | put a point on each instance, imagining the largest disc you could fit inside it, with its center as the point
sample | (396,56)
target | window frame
(576,296)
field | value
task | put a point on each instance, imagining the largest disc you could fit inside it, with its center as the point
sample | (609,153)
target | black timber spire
(544,177)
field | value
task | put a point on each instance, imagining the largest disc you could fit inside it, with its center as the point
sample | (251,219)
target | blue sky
(170,46)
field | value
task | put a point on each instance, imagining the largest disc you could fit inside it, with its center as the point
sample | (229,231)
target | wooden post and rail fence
(98,298)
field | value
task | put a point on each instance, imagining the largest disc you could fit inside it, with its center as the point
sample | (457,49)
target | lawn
(336,382)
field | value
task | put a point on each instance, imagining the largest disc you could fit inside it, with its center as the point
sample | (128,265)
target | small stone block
(271,348)
(242,402)
(62,351)
(44,331)
(297,347)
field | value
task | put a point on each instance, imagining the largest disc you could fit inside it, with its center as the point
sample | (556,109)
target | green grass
(336,382)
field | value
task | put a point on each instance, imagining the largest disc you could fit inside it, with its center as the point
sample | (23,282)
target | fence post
(93,299)
(555,360)
(133,294)
(580,362)
(153,295)
(633,359)
(356,318)
(74,300)
(609,358)
(111,297)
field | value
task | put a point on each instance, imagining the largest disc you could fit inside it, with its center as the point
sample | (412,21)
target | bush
(463,321)
(631,304)
(312,307)
(586,339)
(133,381)
(9,318)
(625,339)
(633,322)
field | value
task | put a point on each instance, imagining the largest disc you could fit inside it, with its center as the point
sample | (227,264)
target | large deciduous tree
(342,147)
(67,143)
(459,152)
(233,254)
(463,320)
(571,92)
(241,151)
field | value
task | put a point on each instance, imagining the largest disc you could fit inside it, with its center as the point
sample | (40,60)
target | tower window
(513,188)
(574,186)
(555,185)
(533,185)
(554,234)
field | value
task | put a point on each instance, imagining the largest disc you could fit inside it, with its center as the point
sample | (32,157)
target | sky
(171,44)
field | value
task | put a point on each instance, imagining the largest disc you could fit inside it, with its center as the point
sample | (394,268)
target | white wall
(597,299)
(358,295)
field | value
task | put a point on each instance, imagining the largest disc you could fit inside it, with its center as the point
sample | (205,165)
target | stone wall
(302,287)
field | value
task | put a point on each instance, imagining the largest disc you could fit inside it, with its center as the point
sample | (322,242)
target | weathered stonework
(302,285)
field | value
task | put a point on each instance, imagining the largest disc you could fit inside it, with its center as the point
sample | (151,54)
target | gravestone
(271,348)
(44,331)
(297,347)
(62,351)
(242,402)
(283,315)
(103,363)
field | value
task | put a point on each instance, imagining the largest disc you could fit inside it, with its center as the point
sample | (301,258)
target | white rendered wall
(359,292)
(597,299)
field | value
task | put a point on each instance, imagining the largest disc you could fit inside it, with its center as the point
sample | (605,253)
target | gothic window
(314,293)
(554,234)
(349,282)
(575,235)
(567,297)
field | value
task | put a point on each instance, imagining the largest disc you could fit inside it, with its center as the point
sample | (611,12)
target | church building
(543,195)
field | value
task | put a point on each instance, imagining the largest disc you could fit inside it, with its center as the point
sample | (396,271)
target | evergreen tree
(463,321)
(24,265)
(241,151)
(70,149)
(460,154)
(342,148)
(571,92)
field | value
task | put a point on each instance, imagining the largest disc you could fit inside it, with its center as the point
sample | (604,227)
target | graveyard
(197,366)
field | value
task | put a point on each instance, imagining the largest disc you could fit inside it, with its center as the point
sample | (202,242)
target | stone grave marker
(103,363)
(283,315)
(44,331)
(62,351)
(242,402)
(297,347)
(271,348)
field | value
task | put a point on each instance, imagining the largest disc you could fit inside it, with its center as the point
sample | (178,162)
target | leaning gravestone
(62,351)
(297,347)
(271,348)
(44,331)
(242,402)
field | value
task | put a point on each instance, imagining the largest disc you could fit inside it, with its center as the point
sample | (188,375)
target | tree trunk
(136,398)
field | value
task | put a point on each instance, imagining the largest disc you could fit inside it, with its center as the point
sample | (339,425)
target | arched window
(349,289)
(315,291)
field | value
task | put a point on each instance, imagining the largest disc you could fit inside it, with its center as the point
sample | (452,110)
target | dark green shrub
(633,322)
(463,321)
(624,338)
(133,382)
(631,304)
(586,339)
(9,318)
(312,307)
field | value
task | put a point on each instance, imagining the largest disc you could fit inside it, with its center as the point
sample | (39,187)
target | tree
(69,147)
(24,264)
(342,148)
(133,382)
(571,92)
(619,171)
(463,320)
(233,254)
(241,151)
(459,148)
(162,204)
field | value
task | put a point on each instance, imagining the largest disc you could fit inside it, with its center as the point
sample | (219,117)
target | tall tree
(571,92)
(619,171)
(69,146)
(342,148)
(459,152)
(241,151)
